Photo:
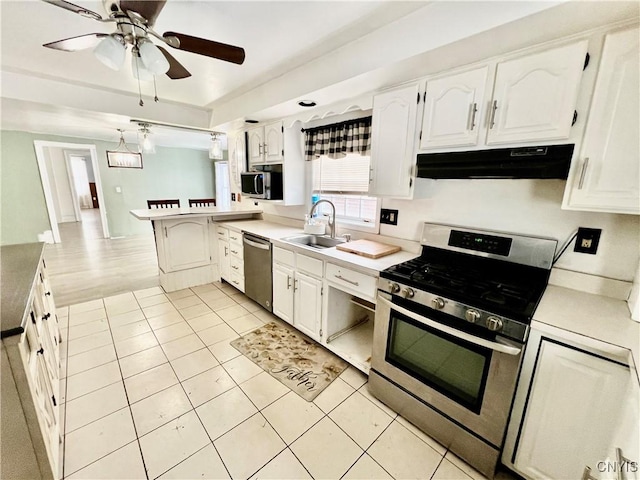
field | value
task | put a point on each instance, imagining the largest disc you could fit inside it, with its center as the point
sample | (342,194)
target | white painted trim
(46,185)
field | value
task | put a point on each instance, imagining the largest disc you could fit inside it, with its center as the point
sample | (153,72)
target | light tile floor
(152,389)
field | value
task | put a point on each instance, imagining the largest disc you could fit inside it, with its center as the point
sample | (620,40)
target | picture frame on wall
(124,159)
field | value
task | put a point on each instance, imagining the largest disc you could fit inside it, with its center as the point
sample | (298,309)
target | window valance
(338,139)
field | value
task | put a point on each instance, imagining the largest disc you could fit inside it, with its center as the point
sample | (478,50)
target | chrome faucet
(332,220)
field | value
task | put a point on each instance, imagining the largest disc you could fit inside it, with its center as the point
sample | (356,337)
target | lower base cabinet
(567,409)
(297,291)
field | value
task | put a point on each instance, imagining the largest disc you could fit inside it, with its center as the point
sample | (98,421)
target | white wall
(521,206)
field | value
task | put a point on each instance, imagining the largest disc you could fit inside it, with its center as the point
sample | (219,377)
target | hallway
(86,267)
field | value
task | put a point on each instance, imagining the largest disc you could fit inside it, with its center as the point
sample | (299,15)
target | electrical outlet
(587,240)
(390,217)
(233,197)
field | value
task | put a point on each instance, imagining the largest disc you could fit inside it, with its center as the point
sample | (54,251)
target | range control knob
(408,292)
(472,316)
(437,303)
(494,324)
(394,287)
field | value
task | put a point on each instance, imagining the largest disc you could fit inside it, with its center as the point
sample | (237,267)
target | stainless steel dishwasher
(257,270)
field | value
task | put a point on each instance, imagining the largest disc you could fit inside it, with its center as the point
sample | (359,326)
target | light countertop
(276,232)
(215,212)
(598,317)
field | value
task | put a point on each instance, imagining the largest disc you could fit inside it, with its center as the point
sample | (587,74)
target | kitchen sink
(315,241)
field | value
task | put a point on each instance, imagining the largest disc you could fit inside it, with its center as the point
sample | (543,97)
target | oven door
(469,379)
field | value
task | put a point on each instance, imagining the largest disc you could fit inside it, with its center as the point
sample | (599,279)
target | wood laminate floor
(86,267)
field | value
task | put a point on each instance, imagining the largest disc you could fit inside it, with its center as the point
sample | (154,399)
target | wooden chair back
(163,203)
(202,202)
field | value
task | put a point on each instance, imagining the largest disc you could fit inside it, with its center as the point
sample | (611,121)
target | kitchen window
(345,182)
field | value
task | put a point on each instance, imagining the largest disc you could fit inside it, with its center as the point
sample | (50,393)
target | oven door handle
(498,347)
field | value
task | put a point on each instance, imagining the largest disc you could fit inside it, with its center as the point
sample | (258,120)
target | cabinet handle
(41,351)
(471,123)
(585,165)
(234,267)
(48,294)
(288,282)
(492,120)
(266,149)
(340,277)
(233,281)
(295,285)
(46,317)
(53,399)
(165,232)
(234,252)
(260,149)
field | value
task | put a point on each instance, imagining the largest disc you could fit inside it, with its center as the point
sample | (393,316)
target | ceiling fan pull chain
(141,103)
(155,90)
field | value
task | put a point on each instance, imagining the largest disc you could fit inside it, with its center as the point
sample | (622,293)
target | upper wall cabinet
(451,109)
(265,144)
(524,100)
(534,97)
(607,177)
(392,137)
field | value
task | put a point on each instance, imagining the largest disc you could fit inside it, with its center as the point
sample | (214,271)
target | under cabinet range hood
(548,161)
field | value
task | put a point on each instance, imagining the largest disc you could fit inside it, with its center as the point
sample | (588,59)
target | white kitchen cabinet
(283,292)
(307,304)
(30,367)
(186,244)
(266,144)
(392,141)
(452,109)
(224,255)
(568,391)
(297,290)
(534,96)
(607,178)
(236,260)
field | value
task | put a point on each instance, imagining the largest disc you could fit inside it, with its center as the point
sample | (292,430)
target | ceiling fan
(134,20)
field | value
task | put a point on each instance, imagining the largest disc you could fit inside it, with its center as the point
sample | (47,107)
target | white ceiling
(326,50)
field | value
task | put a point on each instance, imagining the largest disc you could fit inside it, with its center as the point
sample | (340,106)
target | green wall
(169,173)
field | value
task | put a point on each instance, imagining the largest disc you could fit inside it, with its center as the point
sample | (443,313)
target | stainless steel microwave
(264,185)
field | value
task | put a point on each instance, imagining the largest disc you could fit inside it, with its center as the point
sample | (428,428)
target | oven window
(453,367)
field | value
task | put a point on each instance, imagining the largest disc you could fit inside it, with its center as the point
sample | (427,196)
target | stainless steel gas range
(450,327)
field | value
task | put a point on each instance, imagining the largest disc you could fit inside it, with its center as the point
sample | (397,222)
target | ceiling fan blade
(208,48)
(75,9)
(176,70)
(148,9)
(77,43)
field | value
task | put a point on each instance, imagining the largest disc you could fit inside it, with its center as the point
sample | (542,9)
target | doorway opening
(72,190)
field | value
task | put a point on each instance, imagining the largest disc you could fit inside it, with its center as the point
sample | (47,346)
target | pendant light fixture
(122,146)
(215,149)
(146,145)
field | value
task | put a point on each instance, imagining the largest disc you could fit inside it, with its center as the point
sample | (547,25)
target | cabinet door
(307,305)
(574,396)
(452,109)
(186,244)
(534,97)
(273,143)
(607,179)
(224,261)
(255,144)
(283,292)
(392,137)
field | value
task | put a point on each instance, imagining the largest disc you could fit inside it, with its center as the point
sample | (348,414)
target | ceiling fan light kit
(111,51)
(134,20)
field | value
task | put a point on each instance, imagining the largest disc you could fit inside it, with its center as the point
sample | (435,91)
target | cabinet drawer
(352,280)
(283,256)
(223,232)
(237,265)
(236,250)
(235,237)
(237,280)
(309,265)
